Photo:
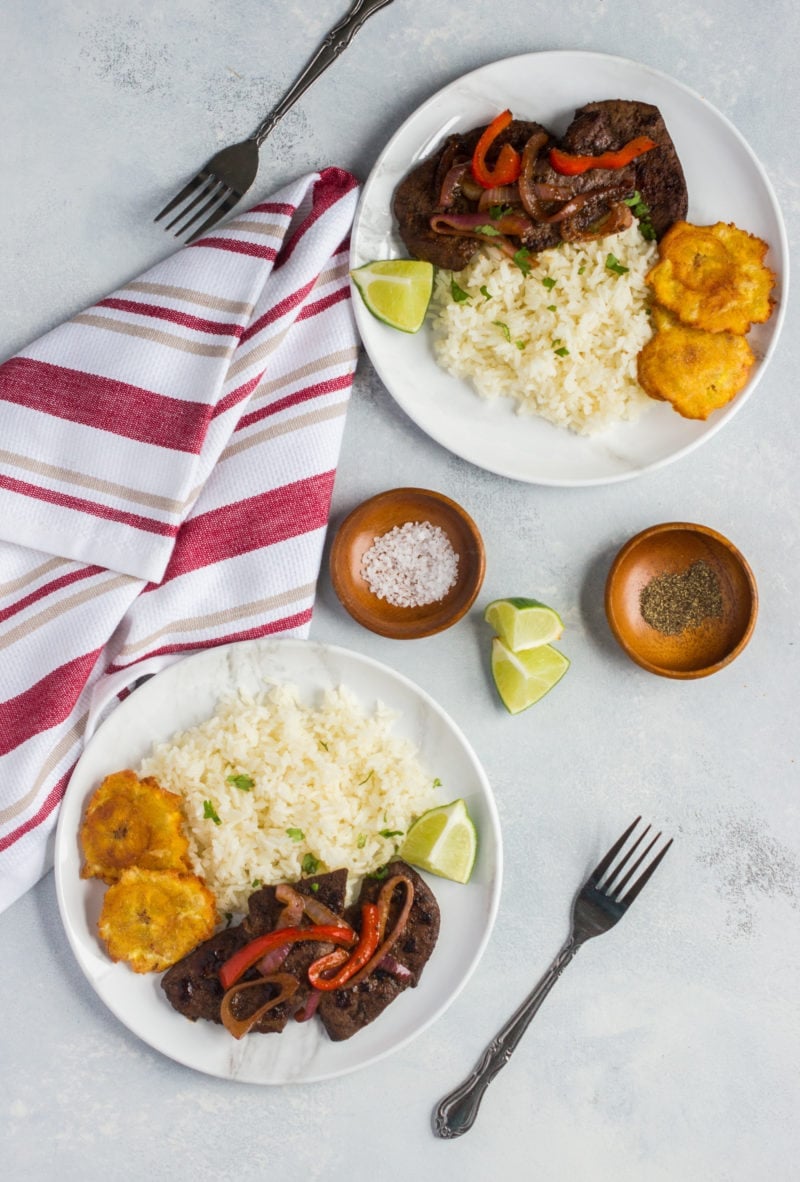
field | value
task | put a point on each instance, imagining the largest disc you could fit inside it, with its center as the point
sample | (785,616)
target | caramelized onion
(530,154)
(238,1027)
(291,914)
(387,942)
(452,181)
(317,912)
(502,195)
(310,1008)
(618,218)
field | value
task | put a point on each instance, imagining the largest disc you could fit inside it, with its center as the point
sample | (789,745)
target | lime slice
(397,291)
(523,623)
(444,841)
(523,678)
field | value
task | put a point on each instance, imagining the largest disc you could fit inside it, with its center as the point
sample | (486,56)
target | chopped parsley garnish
(210,813)
(613,264)
(367,778)
(255,883)
(548,282)
(551,308)
(243,783)
(391,832)
(522,259)
(459,295)
(437,783)
(295,834)
(315,887)
(641,210)
(562,352)
(362,840)
(310,864)
(582,268)
(380,873)
(520,344)
(506,331)
(487,295)
(498,211)
(489,231)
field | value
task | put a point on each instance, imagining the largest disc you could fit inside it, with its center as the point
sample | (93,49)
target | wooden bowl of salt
(681,600)
(407,563)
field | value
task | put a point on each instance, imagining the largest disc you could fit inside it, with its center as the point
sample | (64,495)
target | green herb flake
(295,834)
(210,813)
(506,331)
(380,873)
(437,783)
(641,211)
(489,231)
(256,883)
(522,259)
(243,783)
(324,746)
(552,308)
(310,864)
(391,832)
(562,352)
(498,211)
(315,887)
(520,344)
(362,840)
(487,295)
(459,295)
(548,282)
(367,778)
(613,264)
(582,268)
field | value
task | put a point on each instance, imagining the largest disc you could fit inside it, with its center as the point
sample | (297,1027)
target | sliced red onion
(273,960)
(390,965)
(309,1009)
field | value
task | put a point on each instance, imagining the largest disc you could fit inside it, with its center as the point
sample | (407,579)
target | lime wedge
(397,291)
(444,841)
(523,678)
(523,623)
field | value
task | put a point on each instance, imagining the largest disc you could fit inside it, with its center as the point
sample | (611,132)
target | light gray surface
(670,1048)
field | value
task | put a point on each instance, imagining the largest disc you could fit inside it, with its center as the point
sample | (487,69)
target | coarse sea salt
(412,565)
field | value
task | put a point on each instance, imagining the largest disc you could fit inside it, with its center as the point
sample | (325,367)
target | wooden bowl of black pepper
(407,563)
(681,600)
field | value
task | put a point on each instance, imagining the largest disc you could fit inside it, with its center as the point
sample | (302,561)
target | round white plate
(185,694)
(725,183)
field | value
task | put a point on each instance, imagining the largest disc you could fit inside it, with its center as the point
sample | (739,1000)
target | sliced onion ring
(238,1027)
(387,942)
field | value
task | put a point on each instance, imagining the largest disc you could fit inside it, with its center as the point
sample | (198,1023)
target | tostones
(132,822)
(151,918)
(713,277)
(697,371)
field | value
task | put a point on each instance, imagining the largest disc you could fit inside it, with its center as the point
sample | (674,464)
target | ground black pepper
(675,602)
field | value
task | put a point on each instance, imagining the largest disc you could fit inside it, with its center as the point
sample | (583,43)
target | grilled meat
(345,1011)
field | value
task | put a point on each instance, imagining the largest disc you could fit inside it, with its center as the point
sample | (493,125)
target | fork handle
(335,42)
(456,1113)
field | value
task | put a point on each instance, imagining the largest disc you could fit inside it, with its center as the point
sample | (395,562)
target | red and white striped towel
(166,466)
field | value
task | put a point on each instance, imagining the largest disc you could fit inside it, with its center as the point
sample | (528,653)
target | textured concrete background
(670,1049)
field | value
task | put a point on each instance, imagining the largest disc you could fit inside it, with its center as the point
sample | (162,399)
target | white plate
(185,694)
(725,183)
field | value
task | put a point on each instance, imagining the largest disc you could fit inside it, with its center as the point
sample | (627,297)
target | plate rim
(780,249)
(65,834)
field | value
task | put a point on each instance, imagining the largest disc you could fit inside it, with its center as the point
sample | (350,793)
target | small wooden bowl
(672,548)
(376,517)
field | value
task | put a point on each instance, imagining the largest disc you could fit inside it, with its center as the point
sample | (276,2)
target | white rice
(507,344)
(333,774)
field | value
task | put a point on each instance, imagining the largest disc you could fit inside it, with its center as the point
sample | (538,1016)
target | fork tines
(211,187)
(614,889)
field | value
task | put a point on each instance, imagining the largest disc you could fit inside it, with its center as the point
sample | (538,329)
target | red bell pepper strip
(246,957)
(362,953)
(507,167)
(569,165)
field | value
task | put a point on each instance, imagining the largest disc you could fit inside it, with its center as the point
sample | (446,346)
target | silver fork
(225,179)
(599,904)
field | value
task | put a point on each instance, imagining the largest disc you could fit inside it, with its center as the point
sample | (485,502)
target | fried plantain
(713,277)
(152,918)
(697,371)
(132,822)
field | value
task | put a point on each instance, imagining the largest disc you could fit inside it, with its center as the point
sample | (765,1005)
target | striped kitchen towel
(166,467)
